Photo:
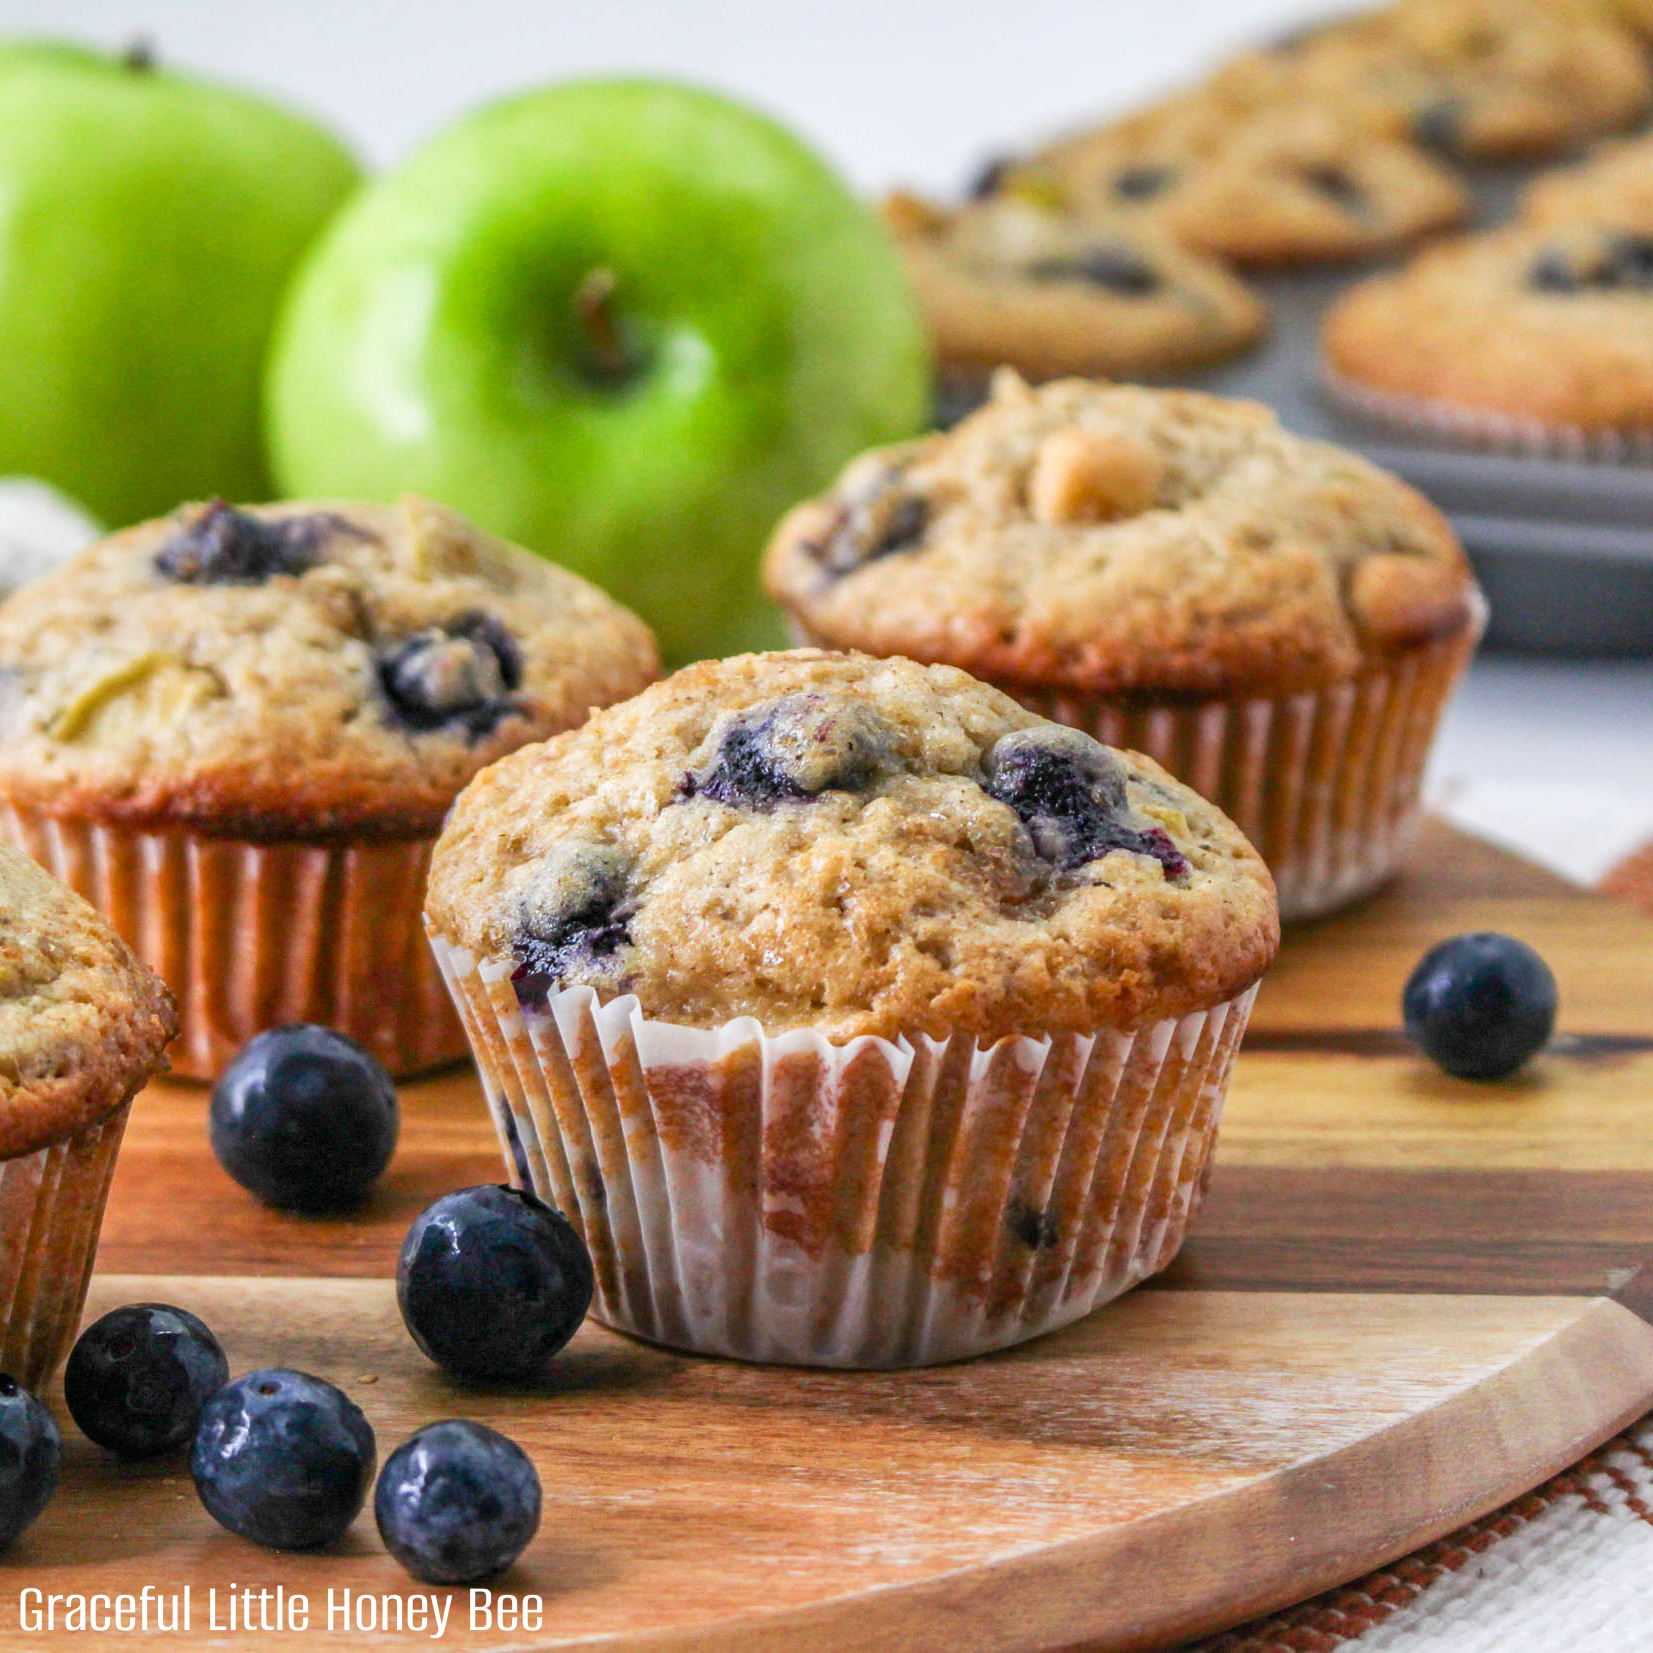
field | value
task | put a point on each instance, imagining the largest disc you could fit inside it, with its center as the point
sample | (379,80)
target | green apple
(625,323)
(148,226)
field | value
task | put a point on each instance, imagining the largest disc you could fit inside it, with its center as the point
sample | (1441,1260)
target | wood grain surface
(1395,1312)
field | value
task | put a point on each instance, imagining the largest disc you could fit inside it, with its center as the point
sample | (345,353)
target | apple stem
(139,55)
(609,359)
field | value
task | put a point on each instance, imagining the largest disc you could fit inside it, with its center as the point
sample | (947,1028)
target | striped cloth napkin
(1568,1568)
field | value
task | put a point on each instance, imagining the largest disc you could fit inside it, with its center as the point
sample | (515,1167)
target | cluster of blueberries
(492,1283)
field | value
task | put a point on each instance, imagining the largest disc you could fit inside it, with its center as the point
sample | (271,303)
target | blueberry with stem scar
(139,1376)
(283,1459)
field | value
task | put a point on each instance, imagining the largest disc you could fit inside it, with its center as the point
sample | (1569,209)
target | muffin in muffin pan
(1277,187)
(1478,79)
(238,730)
(1532,339)
(858,1015)
(1614,187)
(1026,283)
(83,1026)
(1275,620)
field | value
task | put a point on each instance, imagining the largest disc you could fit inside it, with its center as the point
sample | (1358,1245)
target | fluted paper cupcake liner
(51,1208)
(781,1198)
(1490,431)
(1327,784)
(254,935)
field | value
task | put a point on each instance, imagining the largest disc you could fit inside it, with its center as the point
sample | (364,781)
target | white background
(905,90)
(1556,758)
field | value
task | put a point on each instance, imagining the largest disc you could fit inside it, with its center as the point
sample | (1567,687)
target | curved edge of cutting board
(1290,1534)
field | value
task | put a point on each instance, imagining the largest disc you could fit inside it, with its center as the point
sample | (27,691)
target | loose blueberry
(573,916)
(1143,181)
(1113,266)
(492,1283)
(304,1118)
(224,546)
(457,1502)
(798,747)
(31,1458)
(1069,790)
(458,676)
(137,1379)
(283,1459)
(1480,1004)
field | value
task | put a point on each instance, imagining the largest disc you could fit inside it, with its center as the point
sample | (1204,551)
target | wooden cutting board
(1408,1299)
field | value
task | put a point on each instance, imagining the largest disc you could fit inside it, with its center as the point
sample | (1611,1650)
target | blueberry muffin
(1477,79)
(1282,186)
(1614,187)
(83,1027)
(1537,338)
(238,730)
(1019,282)
(858,1015)
(1275,620)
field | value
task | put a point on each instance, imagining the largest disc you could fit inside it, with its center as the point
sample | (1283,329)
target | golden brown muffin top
(297,669)
(1614,187)
(82,1022)
(1548,324)
(1116,539)
(1262,187)
(853,845)
(1014,282)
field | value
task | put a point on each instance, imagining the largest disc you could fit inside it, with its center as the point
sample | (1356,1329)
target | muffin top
(297,669)
(854,845)
(1614,187)
(1273,186)
(1547,323)
(1015,281)
(1111,539)
(1474,78)
(82,1022)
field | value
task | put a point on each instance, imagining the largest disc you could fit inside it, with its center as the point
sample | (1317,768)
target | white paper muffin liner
(254,935)
(1327,784)
(1483,428)
(51,1208)
(877,1203)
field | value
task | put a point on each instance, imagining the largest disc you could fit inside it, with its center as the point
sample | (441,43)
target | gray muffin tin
(1564,550)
